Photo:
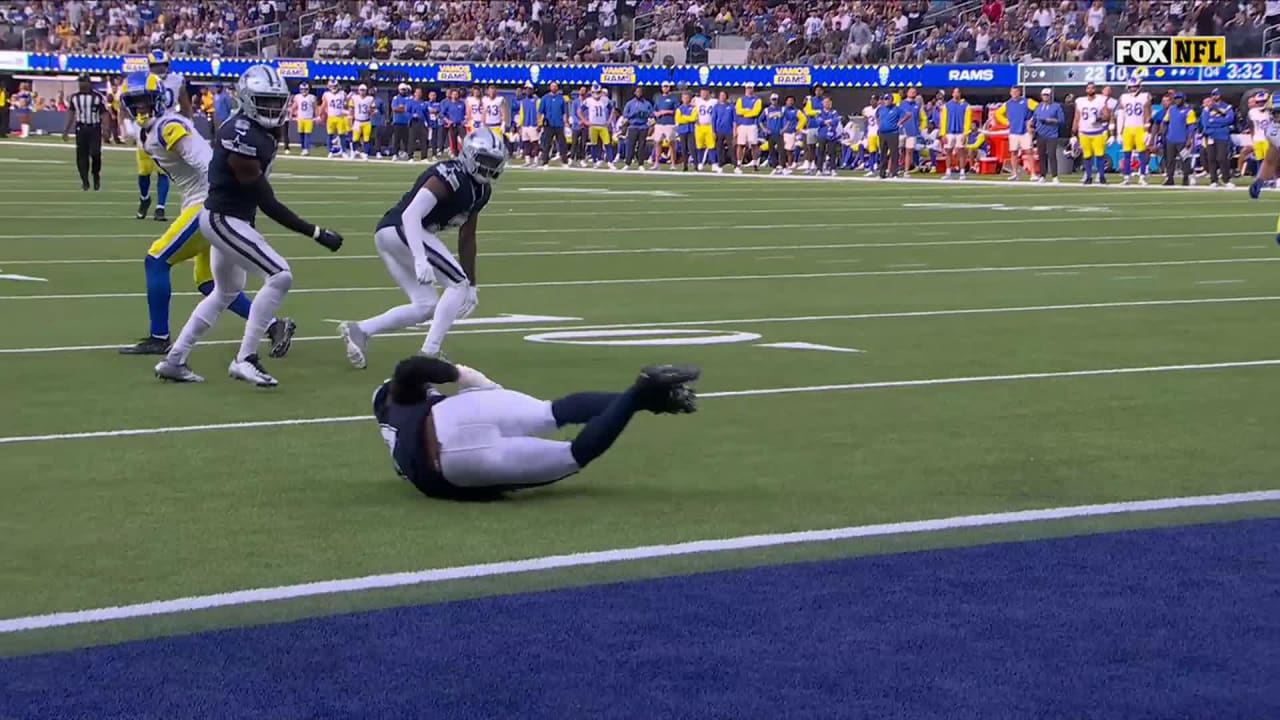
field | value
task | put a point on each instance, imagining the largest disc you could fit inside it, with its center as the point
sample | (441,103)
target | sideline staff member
(85,109)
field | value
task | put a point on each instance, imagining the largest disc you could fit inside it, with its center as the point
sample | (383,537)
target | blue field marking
(1170,623)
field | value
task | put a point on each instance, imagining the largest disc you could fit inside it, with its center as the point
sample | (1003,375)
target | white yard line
(715,278)
(1219,282)
(733,321)
(610,250)
(1060,272)
(602,557)
(888,384)
(593,229)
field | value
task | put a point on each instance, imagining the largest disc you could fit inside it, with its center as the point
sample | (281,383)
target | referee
(85,110)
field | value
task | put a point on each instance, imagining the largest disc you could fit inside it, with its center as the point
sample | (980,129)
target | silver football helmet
(483,155)
(263,95)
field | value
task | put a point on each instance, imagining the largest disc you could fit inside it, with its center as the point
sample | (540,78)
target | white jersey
(175,146)
(171,87)
(474,117)
(1090,110)
(1260,120)
(335,103)
(362,108)
(704,107)
(492,108)
(304,106)
(1133,109)
(597,110)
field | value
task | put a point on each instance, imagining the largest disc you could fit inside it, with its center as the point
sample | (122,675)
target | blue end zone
(1175,623)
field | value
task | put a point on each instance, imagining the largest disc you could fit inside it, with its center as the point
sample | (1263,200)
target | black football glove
(328,238)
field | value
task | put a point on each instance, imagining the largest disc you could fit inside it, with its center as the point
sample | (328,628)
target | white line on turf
(1060,272)
(1133,277)
(609,250)
(881,385)
(714,278)
(1218,282)
(660,177)
(779,226)
(601,557)
(739,321)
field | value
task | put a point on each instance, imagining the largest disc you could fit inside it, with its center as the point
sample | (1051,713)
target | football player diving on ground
(485,440)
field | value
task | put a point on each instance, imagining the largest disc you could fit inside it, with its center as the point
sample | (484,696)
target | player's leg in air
(420,308)
(182,242)
(485,440)
(147,168)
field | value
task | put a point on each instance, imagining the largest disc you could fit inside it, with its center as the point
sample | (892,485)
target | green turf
(100,522)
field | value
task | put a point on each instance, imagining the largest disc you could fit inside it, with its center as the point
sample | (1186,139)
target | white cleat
(251,371)
(1055,181)
(356,341)
(287,151)
(717,169)
(1142,179)
(1013,177)
(961,174)
(737,171)
(166,370)
(1125,181)
(305,152)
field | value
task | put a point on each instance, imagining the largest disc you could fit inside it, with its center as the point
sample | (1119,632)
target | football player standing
(238,188)
(449,194)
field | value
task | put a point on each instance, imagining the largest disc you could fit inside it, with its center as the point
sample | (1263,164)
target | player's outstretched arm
(429,196)
(248,172)
(412,376)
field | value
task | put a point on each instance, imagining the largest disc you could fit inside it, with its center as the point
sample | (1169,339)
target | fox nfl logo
(1186,51)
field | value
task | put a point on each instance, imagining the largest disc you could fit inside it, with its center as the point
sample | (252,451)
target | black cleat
(665,376)
(679,400)
(280,333)
(148,345)
(97,183)
(144,204)
(159,214)
(84,186)
(1167,183)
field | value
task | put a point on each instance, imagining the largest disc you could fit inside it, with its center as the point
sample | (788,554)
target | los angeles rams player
(238,187)
(170,140)
(448,194)
(1135,118)
(1267,170)
(334,106)
(1090,128)
(173,96)
(486,440)
(303,112)
(363,107)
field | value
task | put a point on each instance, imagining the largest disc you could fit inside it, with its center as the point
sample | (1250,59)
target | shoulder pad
(242,123)
(171,131)
(451,173)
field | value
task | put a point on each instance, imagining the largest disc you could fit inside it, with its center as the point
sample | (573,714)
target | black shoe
(148,345)
(1102,181)
(679,400)
(84,186)
(1088,181)
(1185,181)
(97,183)
(666,376)
(159,214)
(280,333)
(1167,183)
(144,204)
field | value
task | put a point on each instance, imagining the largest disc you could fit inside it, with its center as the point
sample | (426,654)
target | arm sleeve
(276,210)
(411,219)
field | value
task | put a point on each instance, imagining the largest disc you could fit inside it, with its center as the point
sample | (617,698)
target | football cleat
(159,216)
(678,400)
(144,204)
(356,341)
(665,376)
(280,333)
(251,371)
(166,370)
(149,345)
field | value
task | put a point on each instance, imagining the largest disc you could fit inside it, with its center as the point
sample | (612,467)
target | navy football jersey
(241,136)
(468,197)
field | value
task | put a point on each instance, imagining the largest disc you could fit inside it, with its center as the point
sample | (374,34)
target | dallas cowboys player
(486,440)
(238,188)
(448,194)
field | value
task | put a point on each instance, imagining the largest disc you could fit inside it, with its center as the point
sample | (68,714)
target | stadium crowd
(774,31)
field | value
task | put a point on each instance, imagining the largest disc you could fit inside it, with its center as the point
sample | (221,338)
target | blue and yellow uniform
(149,83)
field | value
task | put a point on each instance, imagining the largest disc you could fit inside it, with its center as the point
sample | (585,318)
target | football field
(873,354)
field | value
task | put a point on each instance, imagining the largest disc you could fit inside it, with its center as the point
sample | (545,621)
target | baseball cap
(1179,95)
(1046,91)
(666,84)
(773,96)
(750,85)
(1215,92)
(887,96)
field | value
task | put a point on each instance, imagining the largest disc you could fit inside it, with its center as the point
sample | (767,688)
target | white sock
(204,317)
(395,319)
(446,312)
(265,304)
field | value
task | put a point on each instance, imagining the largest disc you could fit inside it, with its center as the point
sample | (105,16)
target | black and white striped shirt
(88,107)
